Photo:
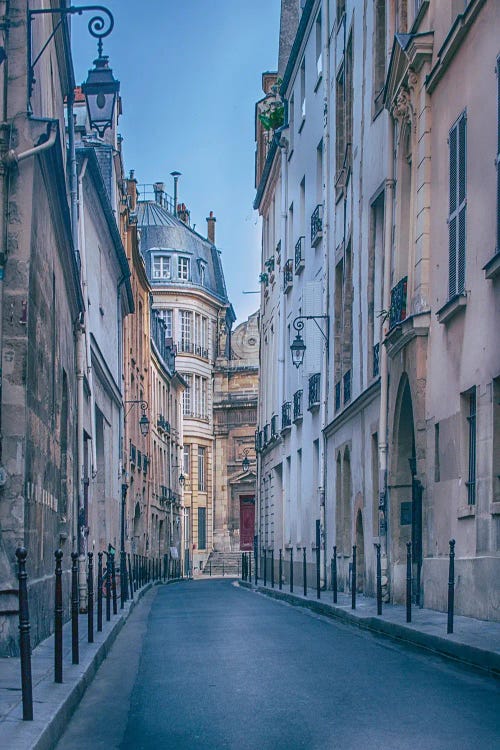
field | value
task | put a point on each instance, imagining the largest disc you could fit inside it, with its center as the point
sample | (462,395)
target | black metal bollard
(123,579)
(280,570)
(113,583)
(24,636)
(272,568)
(265,566)
(451,587)
(223,573)
(304,569)
(334,575)
(210,568)
(255,556)
(90,605)
(291,570)
(408,581)
(99,592)
(130,579)
(353,579)
(58,620)
(75,656)
(379,581)
(108,586)
(318,559)
(242,566)
(250,567)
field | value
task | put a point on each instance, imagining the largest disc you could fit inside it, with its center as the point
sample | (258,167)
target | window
(349,96)
(340,10)
(471,473)
(319,58)
(496,440)
(202,528)
(161,267)
(166,316)
(202,274)
(378,56)
(183,268)
(303,88)
(458,206)
(291,120)
(498,155)
(186,462)
(186,327)
(202,487)
(339,125)
(186,396)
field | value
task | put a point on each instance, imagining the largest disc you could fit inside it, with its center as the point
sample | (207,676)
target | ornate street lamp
(101,91)
(298,347)
(182,479)
(143,421)
(245,464)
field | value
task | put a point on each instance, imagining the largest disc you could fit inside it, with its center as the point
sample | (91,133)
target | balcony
(266,435)
(376,360)
(337,395)
(286,415)
(288,275)
(347,387)
(274,427)
(314,390)
(300,254)
(297,406)
(317,225)
(397,312)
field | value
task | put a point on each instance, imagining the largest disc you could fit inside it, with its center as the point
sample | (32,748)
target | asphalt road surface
(207,665)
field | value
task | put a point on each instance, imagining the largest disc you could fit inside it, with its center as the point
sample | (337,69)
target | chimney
(182,213)
(159,189)
(176,176)
(211,227)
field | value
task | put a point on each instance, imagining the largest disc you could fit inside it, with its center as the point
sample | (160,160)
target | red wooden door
(247,522)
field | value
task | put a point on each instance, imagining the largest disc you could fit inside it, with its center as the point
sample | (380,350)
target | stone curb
(479,658)
(26,735)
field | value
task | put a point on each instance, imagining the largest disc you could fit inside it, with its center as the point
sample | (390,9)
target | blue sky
(190,74)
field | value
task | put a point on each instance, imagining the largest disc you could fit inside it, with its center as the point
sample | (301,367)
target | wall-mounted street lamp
(245,464)
(143,421)
(182,479)
(298,347)
(100,88)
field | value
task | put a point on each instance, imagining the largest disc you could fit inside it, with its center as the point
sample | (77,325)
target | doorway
(247,522)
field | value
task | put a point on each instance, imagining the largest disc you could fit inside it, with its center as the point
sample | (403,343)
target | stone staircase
(223,563)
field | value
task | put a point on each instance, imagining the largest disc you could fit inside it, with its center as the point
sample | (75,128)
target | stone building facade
(379,203)
(235,420)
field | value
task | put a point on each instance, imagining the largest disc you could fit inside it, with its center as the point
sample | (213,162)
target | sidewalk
(474,642)
(53,704)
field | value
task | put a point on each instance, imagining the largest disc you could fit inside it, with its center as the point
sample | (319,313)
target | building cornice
(360,403)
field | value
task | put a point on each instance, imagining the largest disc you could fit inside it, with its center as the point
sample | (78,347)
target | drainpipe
(384,371)
(326,291)
(11,157)
(282,328)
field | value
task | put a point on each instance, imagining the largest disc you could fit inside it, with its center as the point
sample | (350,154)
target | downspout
(80,364)
(384,370)
(284,343)
(325,384)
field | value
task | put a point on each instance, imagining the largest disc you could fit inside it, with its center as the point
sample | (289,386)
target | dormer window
(183,268)
(202,269)
(162,268)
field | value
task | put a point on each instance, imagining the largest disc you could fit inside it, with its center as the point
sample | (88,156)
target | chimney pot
(211,227)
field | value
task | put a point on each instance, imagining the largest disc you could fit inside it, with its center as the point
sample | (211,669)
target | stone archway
(405,525)
(360,553)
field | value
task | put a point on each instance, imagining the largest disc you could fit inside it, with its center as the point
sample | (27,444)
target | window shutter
(457,225)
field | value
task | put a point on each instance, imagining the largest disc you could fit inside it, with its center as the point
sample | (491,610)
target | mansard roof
(162,232)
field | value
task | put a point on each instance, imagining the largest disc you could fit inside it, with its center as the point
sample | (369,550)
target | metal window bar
(287,274)
(471,482)
(337,395)
(376,360)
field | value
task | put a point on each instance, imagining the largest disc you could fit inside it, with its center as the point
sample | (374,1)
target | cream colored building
(189,293)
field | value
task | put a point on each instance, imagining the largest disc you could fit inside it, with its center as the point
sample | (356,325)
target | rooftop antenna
(176,176)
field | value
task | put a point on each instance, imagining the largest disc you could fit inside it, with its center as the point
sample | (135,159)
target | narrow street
(206,664)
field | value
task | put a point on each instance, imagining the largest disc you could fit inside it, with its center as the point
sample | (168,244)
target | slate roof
(162,231)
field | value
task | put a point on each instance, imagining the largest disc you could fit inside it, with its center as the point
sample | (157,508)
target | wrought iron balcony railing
(300,254)
(274,427)
(287,275)
(314,390)
(397,312)
(317,225)
(297,405)
(286,415)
